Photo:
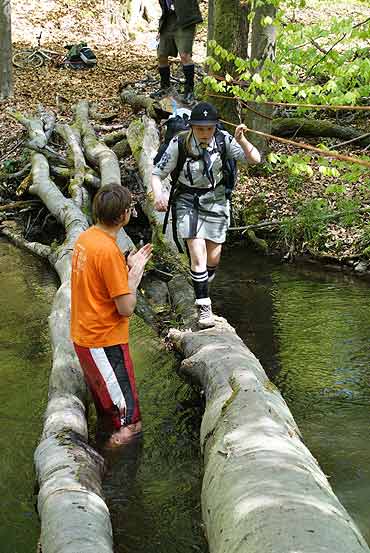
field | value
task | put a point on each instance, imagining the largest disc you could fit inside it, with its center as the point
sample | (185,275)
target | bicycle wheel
(27,58)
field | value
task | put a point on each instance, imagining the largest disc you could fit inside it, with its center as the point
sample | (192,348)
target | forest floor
(263,193)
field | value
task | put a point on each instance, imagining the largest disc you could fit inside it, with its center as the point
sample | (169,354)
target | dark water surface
(153,491)
(27,287)
(311,331)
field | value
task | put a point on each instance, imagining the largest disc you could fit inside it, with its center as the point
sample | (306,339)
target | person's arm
(250,152)
(160,198)
(126,303)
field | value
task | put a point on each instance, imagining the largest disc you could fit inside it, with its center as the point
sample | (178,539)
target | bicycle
(34,57)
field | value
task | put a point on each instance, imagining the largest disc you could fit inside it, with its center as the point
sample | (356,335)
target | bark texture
(234,38)
(6,69)
(262,488)
(263,43)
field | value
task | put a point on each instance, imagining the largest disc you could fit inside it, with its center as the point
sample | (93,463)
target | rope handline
(305,146)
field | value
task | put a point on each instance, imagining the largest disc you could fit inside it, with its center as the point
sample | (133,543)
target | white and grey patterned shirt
(168,161)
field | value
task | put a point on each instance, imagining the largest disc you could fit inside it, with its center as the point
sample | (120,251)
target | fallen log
(262,489)
(96,151)
(299,126)
(76,157)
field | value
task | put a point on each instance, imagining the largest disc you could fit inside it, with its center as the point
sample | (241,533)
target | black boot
(189,83)
(164,72)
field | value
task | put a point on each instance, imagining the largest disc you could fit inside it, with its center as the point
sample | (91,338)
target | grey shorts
(174,39)
(207,216)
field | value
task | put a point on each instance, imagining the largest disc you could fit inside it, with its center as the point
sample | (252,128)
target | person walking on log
(177,27)
(200,204)
(103,288)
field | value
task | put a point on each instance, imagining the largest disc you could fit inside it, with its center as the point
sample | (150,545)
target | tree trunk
(211,24)
(6,75)
(234,38)
(262,489)
(263,41)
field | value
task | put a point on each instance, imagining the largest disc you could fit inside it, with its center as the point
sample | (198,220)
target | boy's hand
(136,263)
(133,254)
(161,202)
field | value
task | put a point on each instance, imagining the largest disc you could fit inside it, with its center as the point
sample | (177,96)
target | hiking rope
(305,146)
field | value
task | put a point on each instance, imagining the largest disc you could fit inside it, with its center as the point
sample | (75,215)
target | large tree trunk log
(299,126)
(74,517)
(262,488)
(143,138)
(96,151)
(73,514)
(6,68)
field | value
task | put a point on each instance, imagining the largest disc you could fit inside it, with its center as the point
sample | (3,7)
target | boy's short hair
(110,203)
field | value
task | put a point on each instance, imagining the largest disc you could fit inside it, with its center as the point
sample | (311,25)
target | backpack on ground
(80,56)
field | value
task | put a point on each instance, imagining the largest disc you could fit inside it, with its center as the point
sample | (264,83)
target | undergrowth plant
(308,227)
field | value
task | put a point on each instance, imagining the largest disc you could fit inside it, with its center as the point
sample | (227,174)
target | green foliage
(321,63)
(255,211)
(335,190)
(309,226)
(350,211)
(10,165)
(364,241)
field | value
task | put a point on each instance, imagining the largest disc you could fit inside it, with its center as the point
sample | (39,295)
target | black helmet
(204,114)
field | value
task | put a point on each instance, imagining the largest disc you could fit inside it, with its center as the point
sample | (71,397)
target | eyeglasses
(132,208)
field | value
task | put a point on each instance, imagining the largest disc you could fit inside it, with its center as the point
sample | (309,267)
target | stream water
(310,329)
(26,290)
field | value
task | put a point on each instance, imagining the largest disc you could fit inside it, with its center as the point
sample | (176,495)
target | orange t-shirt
(99,273)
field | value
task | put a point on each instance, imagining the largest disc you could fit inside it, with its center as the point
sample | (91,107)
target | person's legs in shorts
(166,48)
(109,374)
(213,258)
(184,39)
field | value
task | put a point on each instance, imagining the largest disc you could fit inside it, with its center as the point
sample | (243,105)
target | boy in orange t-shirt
(103,298)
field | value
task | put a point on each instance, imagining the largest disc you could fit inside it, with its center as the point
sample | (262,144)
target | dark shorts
(109,373)
(173,39)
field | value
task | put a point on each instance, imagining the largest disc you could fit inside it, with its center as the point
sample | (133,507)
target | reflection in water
(311,332)
(153,486)
(26,291)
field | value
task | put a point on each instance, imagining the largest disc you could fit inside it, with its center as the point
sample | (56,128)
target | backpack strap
(174,178)
(221,145)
